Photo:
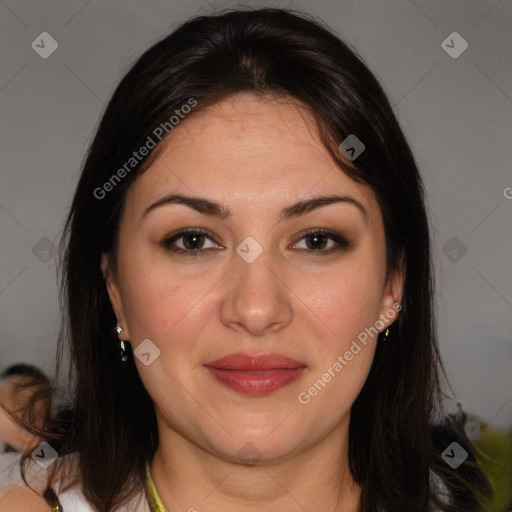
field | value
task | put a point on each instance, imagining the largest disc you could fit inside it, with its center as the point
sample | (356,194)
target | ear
(392,296)
(114,294)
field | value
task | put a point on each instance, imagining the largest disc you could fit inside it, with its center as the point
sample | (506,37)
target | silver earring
(123,351)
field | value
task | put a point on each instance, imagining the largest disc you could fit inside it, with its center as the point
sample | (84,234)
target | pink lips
(255,375)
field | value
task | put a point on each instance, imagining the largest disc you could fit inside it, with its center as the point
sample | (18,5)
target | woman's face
(258,285)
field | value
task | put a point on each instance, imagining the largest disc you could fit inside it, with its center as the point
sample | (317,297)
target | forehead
(275,119)
(254,149)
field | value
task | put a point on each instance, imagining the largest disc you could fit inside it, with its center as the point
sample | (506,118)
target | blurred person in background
(18,384)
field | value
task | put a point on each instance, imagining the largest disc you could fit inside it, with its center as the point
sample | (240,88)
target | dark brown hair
(394,450)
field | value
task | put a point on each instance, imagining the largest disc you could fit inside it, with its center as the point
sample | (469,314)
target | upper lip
(241,361)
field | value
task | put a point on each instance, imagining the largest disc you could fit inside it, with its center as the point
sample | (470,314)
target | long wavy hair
(394,444)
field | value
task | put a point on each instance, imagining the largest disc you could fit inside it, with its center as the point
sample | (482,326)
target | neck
(190,478)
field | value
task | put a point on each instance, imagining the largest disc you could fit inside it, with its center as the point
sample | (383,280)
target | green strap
(155,502)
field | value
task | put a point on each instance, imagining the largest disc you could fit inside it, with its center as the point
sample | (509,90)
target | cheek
(163,305)
(348,300)
(344,350)
(348,305)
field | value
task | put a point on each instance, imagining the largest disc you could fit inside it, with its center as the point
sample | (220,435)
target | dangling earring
(123,350)
(386,335)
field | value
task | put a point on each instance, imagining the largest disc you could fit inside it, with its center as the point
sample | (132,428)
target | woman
(249,290)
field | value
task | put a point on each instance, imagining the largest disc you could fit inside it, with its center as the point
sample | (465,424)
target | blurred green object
(495,449)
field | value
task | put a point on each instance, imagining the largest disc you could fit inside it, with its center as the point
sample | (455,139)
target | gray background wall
(456,113)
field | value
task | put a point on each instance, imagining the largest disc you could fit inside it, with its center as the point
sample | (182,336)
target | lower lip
(260,382)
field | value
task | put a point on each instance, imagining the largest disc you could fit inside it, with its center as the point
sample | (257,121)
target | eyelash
(342,242)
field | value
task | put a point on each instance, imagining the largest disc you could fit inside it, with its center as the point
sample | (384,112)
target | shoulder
(15,495)
(22,499)
(14,492)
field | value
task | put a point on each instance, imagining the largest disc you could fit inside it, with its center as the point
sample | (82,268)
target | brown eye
(190,242)
(317,242)
(193,241)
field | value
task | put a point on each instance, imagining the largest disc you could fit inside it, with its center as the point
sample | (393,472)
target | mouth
(256,375)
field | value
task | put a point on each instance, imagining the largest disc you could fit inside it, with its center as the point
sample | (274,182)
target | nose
(257,299)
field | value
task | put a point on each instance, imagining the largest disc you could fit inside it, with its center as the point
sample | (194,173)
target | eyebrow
(213,209)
